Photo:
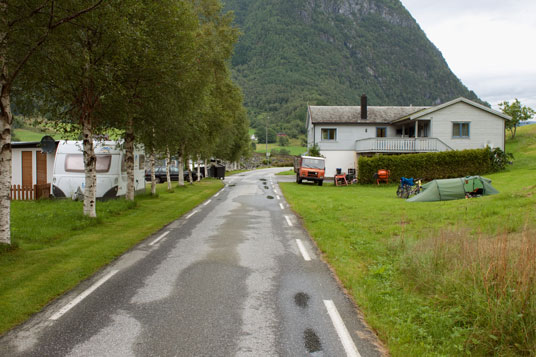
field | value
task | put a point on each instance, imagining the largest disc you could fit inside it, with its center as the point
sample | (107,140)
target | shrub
(427,166)
(499,159)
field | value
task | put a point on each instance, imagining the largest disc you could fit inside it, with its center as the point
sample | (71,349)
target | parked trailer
(69,176)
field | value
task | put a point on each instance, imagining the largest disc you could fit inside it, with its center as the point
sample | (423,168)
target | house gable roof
(430,110)
(352,114)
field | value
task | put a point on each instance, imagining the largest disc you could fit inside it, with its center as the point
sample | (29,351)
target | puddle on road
(232,185)
(266,187)
(312,342)
(270,197)
(263,179)
(301,299)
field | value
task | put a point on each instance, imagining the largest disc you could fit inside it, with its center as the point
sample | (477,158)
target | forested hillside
(329,52)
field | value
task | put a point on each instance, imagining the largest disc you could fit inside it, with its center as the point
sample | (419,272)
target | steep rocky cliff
(294,52)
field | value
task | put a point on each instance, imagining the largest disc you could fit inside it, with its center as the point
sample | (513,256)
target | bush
(427,166)
(499,159)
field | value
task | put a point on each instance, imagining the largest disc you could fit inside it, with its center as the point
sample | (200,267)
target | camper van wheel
(298,179)
(320,182)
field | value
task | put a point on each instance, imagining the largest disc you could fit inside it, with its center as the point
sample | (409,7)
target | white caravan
(69,177)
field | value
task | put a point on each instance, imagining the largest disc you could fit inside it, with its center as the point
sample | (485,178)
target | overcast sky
(489,44)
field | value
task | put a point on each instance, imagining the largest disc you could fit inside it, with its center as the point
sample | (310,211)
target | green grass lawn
(33,135)
(439,278)
(286,173)
(56,247)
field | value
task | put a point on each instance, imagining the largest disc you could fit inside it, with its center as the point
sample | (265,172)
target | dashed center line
(206,203)
(281,205)
(342,331)
(278,197)
(303,251)
(159,238)
(82,296)
(289,222)
(191,214)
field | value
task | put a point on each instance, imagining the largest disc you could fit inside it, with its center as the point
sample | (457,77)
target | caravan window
(142,162)
(75,163)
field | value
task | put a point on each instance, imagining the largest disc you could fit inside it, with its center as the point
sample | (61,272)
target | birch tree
(25,26)
(79,69)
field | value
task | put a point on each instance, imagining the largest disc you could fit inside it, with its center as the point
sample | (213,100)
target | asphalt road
(237,276)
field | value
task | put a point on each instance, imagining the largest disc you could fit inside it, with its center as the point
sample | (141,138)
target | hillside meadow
(437,278)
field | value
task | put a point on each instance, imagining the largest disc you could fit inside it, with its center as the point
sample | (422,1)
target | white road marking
(82,296)
(206,203)
(303,251)
(216,195)
(278,197)
(191,214)
(281,205)
(342,331)
(159,238)
(288,221)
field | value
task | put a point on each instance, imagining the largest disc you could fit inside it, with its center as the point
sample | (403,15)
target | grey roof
(352,115)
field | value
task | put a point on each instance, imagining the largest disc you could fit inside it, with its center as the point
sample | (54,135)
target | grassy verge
(56,247)
(33,135)
(442,278)
(294,149)
(286,173)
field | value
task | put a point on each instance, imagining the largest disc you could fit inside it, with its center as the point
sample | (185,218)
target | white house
(343,133)
(29,165)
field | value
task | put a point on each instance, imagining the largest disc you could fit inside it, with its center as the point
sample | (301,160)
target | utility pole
(266,140)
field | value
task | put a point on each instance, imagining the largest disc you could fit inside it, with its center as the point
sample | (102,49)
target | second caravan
(69,177)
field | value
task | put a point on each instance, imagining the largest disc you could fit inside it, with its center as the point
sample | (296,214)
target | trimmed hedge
(427,166)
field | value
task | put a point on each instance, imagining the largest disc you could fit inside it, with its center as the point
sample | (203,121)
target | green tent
(454,189)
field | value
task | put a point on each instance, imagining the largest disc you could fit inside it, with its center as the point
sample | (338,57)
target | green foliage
(517,112)
(499,159)
(427,166)
(294,53)
(283,141)
(260,133)
(314,151)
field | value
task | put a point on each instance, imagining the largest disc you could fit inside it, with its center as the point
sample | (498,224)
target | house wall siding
(346,136)
(339,159)
(486,129)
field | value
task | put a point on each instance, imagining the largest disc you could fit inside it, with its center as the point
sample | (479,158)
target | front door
(41,163)
(27,168)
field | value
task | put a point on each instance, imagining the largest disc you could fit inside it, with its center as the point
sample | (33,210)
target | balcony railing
(401,145)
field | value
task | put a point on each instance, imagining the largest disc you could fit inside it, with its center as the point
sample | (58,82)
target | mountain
(329,52)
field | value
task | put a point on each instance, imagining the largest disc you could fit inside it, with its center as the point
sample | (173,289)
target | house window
(460,129)
(329,134)
(381,132)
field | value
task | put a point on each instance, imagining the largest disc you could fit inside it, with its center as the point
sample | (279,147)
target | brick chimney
(364,113)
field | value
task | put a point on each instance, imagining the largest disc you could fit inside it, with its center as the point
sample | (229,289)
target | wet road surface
(237,276)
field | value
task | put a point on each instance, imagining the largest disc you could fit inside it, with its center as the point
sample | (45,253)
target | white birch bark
(181,169)
(153,177)
(190,178)
(198,169)
(6,118)
(129,160)
(90,164)
(168,164)
(206,168)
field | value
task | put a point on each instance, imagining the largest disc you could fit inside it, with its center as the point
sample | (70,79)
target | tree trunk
(90,164)
(198,169)
(190,178)
(181,168)
(168,164)
(206,168)
(153,177)
(129,159)
(6,118)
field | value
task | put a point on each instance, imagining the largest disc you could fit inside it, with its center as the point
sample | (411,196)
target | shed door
(27,166)
(41,163)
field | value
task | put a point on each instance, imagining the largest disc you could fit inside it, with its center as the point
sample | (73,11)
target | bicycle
(408,187)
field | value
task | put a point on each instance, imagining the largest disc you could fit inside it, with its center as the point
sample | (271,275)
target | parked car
(161,176)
